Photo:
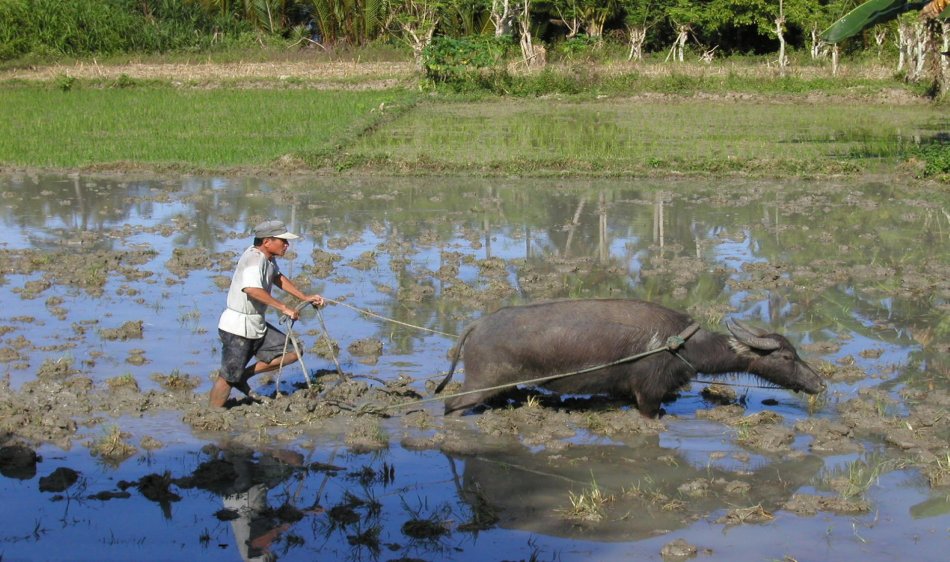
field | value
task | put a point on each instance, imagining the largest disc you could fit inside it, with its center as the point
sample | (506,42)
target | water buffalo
(525,342)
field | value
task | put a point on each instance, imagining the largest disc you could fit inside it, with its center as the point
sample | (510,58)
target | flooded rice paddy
(113,286)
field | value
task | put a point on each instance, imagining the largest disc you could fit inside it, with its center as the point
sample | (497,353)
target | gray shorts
(237,351)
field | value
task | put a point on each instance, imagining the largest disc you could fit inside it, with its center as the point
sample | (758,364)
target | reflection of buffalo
(653,489)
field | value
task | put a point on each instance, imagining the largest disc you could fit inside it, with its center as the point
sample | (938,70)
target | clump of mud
(123,382)
(56,369)
(678,550)
(829,436)
(86,270)
(59,480)
(18,461)
(743,515)
(176,381)
(365,261)
(112,447)
(763,431)
(323,263)
(807,504)
(131,330)
(369,348)
(326,347)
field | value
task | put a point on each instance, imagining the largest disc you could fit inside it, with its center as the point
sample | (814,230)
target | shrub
(102,27)
(447,59)
(936,158)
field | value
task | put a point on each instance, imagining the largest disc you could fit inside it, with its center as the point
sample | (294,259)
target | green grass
(217,128)
(637,135)
(69,123)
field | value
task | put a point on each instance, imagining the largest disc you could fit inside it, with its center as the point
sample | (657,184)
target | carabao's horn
(751,336)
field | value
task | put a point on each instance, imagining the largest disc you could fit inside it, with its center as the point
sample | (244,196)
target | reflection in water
(242,478)
(647,488)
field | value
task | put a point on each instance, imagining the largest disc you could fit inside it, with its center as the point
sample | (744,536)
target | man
(244,332)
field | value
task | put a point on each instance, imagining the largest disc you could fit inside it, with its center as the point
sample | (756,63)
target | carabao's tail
(456,354)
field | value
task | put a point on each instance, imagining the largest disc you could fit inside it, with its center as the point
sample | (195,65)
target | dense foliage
(84,27)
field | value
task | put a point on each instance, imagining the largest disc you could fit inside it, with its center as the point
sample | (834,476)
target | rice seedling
(588,505)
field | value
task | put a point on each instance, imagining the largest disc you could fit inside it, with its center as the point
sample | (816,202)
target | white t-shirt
(244,316)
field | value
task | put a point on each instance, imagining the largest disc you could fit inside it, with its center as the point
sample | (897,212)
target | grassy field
(210,129)
(248,116)
(635,135)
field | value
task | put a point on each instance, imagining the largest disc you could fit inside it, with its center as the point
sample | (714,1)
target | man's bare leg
(221,389)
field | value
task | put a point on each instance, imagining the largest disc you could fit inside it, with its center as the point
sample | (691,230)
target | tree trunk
(418,40)
(920,51)
(534,55)
(502,16)
(681,40)
(573,24)
(904,33)
(879,37)
(595,25)
(815,43)
(679,44)
(944,77)
(834,59)
(779,31)
(638,35)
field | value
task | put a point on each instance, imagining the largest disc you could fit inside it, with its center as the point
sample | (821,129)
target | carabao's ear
(752,337)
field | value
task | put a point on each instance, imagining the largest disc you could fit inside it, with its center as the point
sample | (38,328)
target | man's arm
(263,296)
(287,285)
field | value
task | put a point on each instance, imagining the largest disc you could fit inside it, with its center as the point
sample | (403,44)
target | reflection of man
(256,528)
(244,332)
(252,531)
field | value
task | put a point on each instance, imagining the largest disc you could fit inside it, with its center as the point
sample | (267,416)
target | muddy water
(108,342)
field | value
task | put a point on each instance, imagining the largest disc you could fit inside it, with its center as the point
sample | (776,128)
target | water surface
(853,272)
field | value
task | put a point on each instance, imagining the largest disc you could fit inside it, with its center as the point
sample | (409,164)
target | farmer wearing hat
(243,330)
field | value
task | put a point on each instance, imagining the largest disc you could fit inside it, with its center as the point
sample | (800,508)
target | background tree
(415,23)
(639,17)
(589,15)
(683,15)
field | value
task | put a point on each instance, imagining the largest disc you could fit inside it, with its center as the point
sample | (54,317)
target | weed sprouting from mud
(126,381)
(176,380)
(648,491)
(112,447)
(588,505)
(192,319)
(856,478)
(939,472)
(56,368)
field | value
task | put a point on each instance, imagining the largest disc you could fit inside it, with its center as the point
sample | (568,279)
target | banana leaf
(866,15)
